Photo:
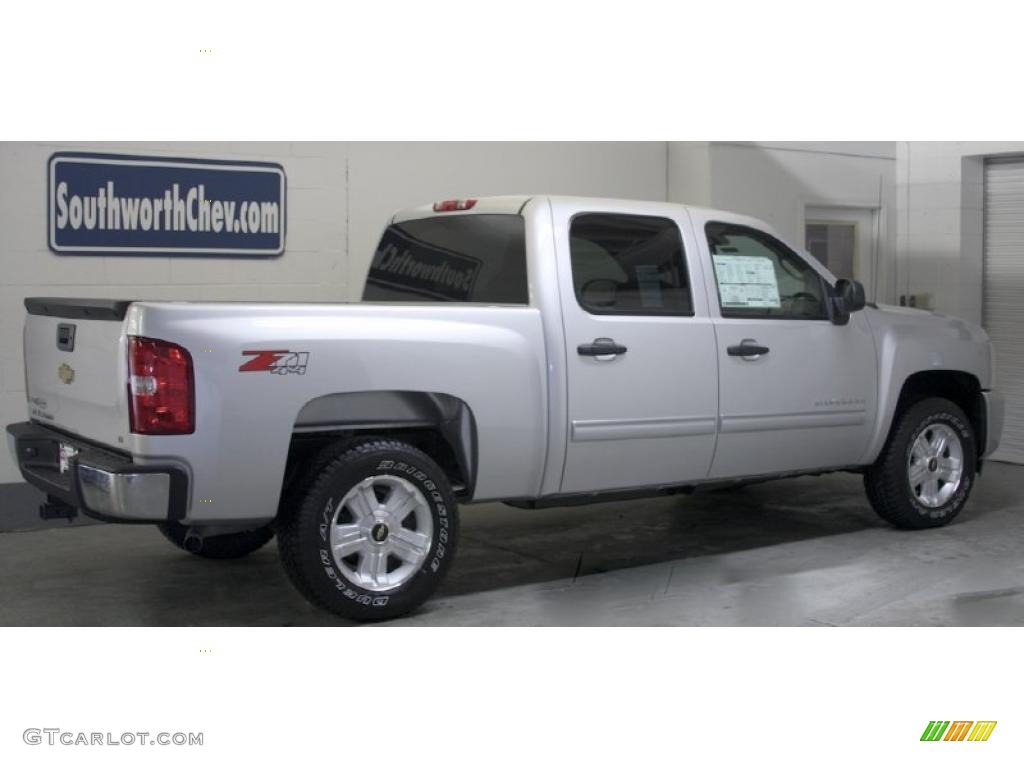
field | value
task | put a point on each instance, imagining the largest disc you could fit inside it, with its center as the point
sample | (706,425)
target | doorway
(845,240)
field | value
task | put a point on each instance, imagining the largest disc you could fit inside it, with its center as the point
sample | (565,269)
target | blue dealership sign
(153,205)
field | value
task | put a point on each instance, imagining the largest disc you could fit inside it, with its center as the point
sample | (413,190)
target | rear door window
(477,258)
(624,264)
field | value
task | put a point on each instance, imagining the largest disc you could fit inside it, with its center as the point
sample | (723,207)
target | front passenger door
(797,392)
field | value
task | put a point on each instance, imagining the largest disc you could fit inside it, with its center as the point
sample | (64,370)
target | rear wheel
(225,546)
(371,531)
(926,470)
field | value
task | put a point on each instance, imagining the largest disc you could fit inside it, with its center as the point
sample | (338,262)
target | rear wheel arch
(439,424)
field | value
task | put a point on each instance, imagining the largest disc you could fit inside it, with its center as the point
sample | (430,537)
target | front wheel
(371,531)
(926,470)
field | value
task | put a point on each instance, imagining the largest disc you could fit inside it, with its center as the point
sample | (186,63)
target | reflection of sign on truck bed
(407,265)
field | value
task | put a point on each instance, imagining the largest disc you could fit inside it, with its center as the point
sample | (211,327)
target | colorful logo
(958,730)
(280,361)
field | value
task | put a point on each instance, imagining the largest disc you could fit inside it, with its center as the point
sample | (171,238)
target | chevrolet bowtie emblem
(66,373)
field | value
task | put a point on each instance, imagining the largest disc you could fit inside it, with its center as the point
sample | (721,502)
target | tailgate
(75,366)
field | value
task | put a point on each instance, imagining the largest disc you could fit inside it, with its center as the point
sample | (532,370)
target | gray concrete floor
(807,551)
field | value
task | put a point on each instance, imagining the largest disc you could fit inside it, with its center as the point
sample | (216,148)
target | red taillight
(161,395)
(453,205)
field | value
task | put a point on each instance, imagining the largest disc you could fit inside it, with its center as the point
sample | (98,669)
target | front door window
(759,277)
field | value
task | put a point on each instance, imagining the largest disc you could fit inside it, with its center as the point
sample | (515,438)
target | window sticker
(747,281)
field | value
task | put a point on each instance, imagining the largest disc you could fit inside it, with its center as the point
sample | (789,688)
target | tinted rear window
(479,258)
(628,265)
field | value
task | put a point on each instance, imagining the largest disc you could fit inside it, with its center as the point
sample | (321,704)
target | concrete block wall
(339,197)
(777,181)
(939,193)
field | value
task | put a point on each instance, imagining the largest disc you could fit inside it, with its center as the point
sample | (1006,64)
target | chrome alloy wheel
(935,465)
(381,532)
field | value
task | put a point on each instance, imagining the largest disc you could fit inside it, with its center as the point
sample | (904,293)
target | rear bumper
(101,483)
(994,413)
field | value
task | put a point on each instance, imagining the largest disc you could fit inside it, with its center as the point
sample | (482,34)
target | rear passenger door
(640,348)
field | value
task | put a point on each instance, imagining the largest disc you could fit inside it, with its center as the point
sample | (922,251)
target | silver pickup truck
(539,351)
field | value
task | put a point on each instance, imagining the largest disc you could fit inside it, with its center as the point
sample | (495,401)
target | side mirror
(852,294)
(847,297)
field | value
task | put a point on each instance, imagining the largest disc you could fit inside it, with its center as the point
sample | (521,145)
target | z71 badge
(279,361)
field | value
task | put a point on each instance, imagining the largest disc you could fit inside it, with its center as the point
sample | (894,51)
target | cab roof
(511,204)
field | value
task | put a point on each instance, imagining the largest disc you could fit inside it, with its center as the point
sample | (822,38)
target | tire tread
(312,483)
(885,481)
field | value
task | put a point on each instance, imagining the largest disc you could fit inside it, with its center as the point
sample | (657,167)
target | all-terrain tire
(310,515)
(225,546)
(888,481)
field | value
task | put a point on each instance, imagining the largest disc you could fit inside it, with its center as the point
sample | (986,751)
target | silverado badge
(66,373)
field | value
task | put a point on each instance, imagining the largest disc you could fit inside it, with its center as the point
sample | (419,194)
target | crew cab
(537,350)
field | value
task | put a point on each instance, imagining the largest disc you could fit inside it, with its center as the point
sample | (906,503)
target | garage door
(1004,292)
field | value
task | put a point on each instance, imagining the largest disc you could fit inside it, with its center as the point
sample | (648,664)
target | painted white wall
(776,181)
(940,221)
(339,197)
(689,172)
